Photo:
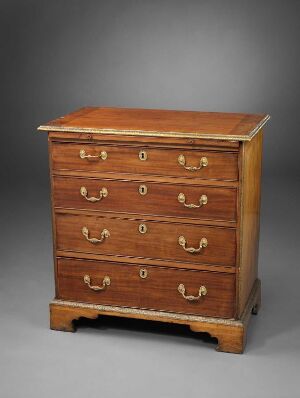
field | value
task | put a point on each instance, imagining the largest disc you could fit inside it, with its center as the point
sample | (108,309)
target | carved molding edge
(174,134)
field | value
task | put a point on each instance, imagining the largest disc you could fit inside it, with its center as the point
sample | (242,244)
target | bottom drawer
(147,287)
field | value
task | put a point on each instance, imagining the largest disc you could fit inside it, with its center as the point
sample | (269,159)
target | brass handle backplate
(102,155)
(103,193)
(202,201)
(104,234)
(182,242)
(105,282)
(203,163)
(202,292)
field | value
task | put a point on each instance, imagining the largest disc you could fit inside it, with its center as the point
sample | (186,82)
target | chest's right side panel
(250,162)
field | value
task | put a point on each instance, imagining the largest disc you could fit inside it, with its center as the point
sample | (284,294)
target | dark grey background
(238,56)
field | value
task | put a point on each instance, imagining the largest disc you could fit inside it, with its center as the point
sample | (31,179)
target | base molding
(230,333)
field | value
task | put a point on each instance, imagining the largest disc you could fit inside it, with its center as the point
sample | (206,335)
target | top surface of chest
(162,123)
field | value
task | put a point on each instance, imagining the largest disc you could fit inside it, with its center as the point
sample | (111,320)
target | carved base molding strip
(231,333)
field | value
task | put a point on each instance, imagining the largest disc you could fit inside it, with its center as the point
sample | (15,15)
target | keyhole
(143,189)
(142,228)
(143,273)
(143,155)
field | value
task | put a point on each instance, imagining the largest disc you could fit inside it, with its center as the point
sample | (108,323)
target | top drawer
(143,160)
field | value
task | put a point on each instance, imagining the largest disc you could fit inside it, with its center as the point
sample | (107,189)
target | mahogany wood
(160,199)
(227,267)
(159,242)
(52,215)
(125,159)
(249,218)
(208,124)
(167,142)
(148,261)
(142,178)
(145,217)
(231,335)
(158,291)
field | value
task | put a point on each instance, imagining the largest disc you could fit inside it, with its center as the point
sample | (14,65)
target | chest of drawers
(156,216)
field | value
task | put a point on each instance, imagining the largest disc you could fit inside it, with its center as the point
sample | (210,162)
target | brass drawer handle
(182,242)
(102,194)
(105,282)
(202,292)
(104,234)
(102,155)
(202,201)
(203,163)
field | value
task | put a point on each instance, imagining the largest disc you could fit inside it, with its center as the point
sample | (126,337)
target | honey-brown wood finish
(167,142)
(251,157)
(231,334)
(214,125)
(145,201)
(157,241)
(157,290)
(146,198)
(156,161)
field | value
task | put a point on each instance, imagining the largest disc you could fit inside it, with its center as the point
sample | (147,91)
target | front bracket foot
(62,317)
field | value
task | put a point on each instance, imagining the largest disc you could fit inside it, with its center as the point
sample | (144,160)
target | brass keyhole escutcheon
(143,273)
(142,228)
(143,189)
(143,155)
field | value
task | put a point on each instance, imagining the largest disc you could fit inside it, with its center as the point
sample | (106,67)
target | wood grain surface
(159,242)
(160,199)
(125,159)
(251,157)
(210,124)
(159,290)
(144,229)
(231,334)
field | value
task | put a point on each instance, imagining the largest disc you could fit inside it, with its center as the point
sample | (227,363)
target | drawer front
(200,202)
(155,240)
(139,160)
(122,285)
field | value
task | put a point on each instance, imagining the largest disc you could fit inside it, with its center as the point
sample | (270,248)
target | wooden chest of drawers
(156,216)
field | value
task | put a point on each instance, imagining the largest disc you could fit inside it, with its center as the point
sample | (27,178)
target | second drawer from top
(149,198)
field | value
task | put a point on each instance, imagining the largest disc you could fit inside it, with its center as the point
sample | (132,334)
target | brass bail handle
(105,282)
(103,193)
(202,201)
(202,292)
(83,155)
(103,235)
(202,244)
(202,163)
